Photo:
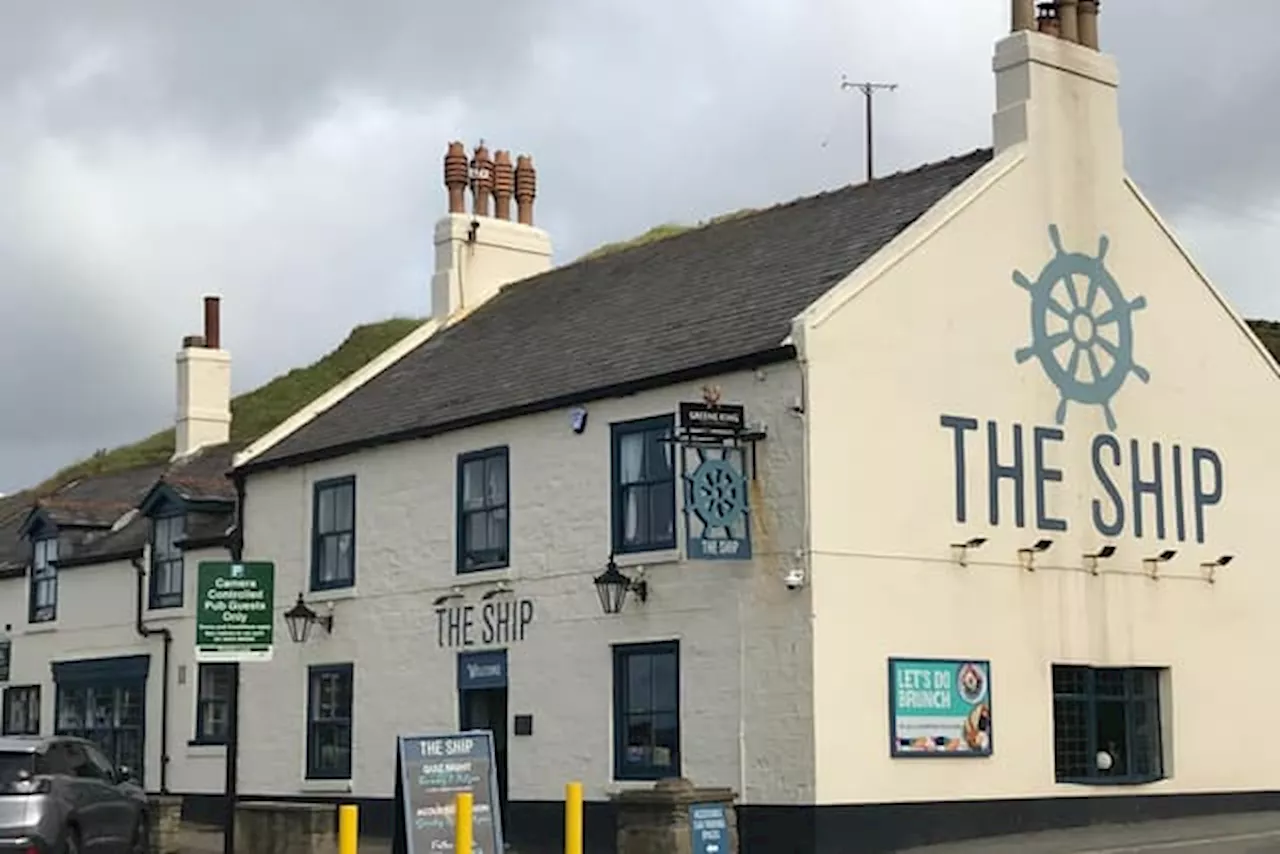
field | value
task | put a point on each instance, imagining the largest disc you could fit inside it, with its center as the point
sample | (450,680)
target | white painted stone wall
(96,608)
(745,638)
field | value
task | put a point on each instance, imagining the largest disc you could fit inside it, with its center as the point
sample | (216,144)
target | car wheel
(141,837)
(71,845)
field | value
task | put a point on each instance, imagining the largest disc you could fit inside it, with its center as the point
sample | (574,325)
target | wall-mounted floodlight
(960,551)
(1027,556)
(1211,567)
(452,596)
(1091,560)
(497,590)
(1152,564)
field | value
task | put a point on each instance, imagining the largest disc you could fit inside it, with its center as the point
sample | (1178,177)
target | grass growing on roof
(256,412)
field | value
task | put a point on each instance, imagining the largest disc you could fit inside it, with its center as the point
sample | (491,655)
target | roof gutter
(139,566)
(774,355)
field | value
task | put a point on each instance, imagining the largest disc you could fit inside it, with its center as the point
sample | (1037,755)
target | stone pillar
(164,817)
(658,820)
(273,827)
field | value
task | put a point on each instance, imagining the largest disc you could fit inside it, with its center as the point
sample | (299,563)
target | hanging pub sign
(713,468)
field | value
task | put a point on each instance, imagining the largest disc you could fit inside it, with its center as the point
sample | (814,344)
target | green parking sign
(235,604)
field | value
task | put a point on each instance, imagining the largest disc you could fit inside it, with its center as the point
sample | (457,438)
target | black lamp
(612,587)
(300,618)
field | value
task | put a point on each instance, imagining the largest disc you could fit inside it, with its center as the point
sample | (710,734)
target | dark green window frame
(647,484)
(646,710)
(214,690)
(488,511)
(333,533)
(1116,709)
(22,710)
(330,702)
(167,580)
(43,603)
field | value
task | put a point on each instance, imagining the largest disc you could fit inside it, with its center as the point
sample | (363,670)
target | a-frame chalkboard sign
(430,771)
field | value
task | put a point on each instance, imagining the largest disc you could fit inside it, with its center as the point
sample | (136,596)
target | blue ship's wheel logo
(719,493)
(1081,328)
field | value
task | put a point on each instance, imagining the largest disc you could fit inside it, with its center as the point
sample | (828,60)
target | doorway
(482,700)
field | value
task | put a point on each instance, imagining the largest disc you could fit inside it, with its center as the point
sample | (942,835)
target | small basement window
(1106,725)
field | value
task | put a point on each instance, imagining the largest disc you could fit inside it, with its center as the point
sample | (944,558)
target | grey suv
(60,795)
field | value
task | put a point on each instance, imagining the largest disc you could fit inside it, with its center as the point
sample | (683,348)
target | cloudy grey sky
(287,154)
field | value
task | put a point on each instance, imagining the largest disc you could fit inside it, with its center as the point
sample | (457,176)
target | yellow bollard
(573,818)
(462,824)
(348,828)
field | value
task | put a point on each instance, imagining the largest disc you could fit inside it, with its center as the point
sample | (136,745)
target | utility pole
(868,90)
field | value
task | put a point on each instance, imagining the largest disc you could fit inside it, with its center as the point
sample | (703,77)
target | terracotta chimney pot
(212,323)
(1024,15)
(1047,19)
(455,177)
(1087,12)
(481,180)
(526,188)
(504,184)
(1069,21)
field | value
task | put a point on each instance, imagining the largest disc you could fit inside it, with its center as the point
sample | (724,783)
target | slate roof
(690,305)
(97,515)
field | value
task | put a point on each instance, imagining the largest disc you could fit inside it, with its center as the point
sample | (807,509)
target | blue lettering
(1179,500)
(997,472)
(1204,499)
(960,425)
(1153,487)
(1044,476)
(1107,529)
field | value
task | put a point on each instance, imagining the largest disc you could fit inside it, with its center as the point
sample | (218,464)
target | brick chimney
(477,253)
(204,386)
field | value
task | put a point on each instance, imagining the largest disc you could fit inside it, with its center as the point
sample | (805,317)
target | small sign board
(721,419)
(940,707)
(235,605)
(710,829)
(430,771)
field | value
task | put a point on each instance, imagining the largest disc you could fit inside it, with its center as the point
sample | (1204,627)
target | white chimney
(477,253)
(204,387)
(1056,91)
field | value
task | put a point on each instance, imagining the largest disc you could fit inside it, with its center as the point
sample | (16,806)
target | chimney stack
(477,254)
(526,188)
(504,184)
(481,180)
(455,177)
(1087,12)
(1024,15)
(204,387)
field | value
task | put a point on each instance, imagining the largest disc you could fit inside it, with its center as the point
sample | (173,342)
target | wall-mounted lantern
(612,587)
(301,618)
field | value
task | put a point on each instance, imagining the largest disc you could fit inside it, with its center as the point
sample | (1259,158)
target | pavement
(1242,833)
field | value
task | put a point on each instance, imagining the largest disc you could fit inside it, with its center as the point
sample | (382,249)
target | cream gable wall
(745,662)
(929,329)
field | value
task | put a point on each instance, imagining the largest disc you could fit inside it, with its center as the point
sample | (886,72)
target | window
(646,711)
(213,702)
(333,534)
(644,486)
(166,561)
(1106,725)
(329,722)
(44,580)
(22,710)
(484,517)
(109,714)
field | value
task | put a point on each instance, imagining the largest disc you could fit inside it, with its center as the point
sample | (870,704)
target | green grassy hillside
(256,412)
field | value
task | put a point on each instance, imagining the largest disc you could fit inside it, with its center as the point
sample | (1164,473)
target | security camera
(794,579)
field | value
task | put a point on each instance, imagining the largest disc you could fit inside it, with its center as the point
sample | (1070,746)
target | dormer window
(166,560)
(44,580)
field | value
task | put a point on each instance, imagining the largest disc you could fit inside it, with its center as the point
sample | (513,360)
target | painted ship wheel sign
(1081,328)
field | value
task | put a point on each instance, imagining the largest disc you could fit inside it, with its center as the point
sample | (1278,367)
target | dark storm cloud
(286,154)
